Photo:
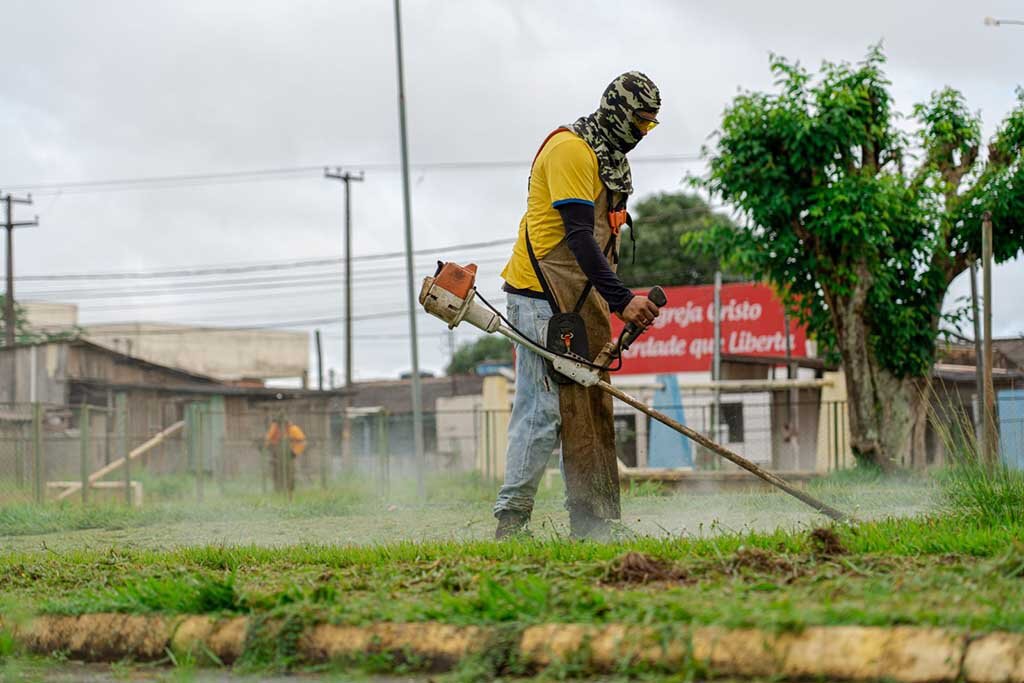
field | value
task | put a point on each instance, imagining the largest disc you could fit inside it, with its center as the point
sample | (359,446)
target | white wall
(223,353)
(48,316)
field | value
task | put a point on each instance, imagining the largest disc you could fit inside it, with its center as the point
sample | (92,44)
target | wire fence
(195,450)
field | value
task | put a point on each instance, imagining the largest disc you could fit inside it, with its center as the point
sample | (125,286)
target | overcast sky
(98,90)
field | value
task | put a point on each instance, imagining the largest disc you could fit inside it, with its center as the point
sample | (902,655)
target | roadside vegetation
(942,549)
(958,565)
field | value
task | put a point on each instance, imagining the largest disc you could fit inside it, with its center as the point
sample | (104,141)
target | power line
(226,269)
(255,267)
(192,302)
(286,172)
(246,325)
(241,284)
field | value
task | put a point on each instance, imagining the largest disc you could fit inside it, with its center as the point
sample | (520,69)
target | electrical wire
(245,324)
(286,173)
(243,284)
(254,267)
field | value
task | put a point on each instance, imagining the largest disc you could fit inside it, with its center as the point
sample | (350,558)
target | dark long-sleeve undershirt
(579,233)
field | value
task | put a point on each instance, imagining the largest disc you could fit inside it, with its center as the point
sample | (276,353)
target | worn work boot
(511,523)
(585,525)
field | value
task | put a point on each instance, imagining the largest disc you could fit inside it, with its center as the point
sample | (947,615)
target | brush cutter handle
(632,331)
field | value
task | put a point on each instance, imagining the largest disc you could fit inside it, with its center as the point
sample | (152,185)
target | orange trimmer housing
(458,280)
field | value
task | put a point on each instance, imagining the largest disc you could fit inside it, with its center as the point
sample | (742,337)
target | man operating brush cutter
(558,311)
(562,287)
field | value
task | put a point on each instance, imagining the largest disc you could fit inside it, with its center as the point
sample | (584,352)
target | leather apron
(588,429)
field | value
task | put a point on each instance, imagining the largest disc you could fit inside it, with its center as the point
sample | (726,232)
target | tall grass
(986,491)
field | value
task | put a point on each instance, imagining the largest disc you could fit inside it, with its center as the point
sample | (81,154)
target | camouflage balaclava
(610,130)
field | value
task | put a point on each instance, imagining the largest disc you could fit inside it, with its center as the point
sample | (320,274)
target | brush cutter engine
(450,296)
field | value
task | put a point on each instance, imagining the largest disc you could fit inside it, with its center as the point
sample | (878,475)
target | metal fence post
(121,434)
(264,455)
(37,449)
(214,446)
(83,435)
(325,449)
(198,442)
(283,454)
(384,449)
(487,445)
(19,456)
(842,429)
(835,434)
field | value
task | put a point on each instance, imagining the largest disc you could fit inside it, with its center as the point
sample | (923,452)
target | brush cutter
(451,296)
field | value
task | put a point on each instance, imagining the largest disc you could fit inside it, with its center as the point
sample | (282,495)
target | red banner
(682,337)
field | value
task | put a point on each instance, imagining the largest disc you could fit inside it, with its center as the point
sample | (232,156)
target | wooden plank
(136,452)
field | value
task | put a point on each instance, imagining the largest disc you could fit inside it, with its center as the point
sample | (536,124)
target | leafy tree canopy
(824,175)
(660,221)
(863,225)
(469,354)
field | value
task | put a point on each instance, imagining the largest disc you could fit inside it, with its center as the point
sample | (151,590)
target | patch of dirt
(759,560)
(634,568)
(826,542)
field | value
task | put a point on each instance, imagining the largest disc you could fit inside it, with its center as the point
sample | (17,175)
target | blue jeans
(535,425)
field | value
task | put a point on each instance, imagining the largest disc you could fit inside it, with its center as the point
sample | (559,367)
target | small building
(50,317)
(229,354)
(75,378)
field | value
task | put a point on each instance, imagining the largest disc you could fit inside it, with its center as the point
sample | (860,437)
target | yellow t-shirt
(565,172)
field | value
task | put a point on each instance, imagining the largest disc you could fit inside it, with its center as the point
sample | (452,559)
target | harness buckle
(616,219)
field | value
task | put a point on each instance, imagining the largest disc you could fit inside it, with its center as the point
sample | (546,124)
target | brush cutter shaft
(574,370)
(589,377)
(724,452)
(451,297)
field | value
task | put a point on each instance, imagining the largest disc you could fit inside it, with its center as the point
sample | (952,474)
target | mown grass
(938,570)
(960,567)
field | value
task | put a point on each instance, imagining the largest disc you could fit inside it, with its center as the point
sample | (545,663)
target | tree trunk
(888,414)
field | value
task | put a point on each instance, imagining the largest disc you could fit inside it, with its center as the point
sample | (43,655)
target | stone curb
(858,653)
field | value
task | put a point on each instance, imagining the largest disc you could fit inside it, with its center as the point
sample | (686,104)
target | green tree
(863,243)
(660,221)
(469,354)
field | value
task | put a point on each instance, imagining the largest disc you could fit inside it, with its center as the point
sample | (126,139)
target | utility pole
(990,454)
(417,396)
(347,178)
(716,358)
(11,224)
